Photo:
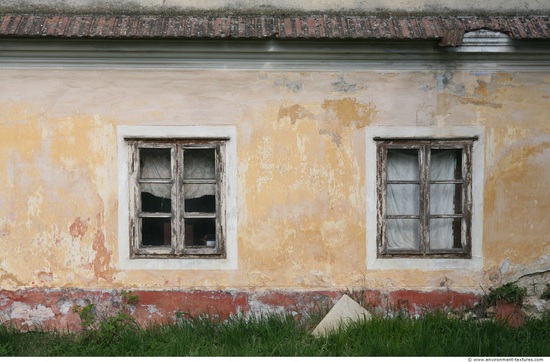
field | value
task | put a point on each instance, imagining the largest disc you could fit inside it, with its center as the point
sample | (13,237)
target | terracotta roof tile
(448,30)
(14,24)
(312,27)
(543,26)
(4,23)
(517,29)
(51,26)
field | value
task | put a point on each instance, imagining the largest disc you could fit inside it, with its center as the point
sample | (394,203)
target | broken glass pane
(200,198)
(155,197)
(156,231)
(200,232)
(155,163)
(199,164)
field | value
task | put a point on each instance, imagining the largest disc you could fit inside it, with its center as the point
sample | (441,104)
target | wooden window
(424,198)
(177,204)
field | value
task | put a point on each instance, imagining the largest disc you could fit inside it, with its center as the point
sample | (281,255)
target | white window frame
(371,178)
(159,133)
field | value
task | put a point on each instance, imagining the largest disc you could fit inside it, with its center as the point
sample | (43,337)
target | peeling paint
(153,310)
(101,263)
(30,315)
(294,112)
(504,267)
(10,280)
(301,182)
(78,228)
(314,278)
(351,113)
(291,82)
(342,86)
(479,102)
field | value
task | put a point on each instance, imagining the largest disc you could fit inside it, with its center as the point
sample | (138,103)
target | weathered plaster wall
(301,173)
(279,6)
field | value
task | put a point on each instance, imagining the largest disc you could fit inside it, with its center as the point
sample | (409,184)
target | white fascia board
(489,52)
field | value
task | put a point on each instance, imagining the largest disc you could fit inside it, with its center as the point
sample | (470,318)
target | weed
(546,293)
(128,298)
(86,314)
(508,292)
(107,327)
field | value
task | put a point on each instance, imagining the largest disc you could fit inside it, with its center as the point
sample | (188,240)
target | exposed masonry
(449,31)
(51,308)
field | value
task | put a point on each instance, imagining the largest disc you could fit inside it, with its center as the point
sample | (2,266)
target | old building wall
(301,167)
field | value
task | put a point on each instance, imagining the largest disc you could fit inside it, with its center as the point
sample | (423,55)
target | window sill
(475,262)
(176,264)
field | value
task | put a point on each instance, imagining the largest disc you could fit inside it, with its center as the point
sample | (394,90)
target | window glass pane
(446,164)
(155,163)
(155,197)
(200,198)
(445,234)
(446,199)
(402,234)
(403,199)
(402,165)
(155,231)
(199,163)
(200,232)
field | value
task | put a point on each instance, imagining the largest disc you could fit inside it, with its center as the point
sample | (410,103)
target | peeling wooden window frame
(372,132)
(178,216)
(163,133)
(424,146)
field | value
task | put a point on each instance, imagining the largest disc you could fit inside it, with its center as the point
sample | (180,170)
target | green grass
(432,335)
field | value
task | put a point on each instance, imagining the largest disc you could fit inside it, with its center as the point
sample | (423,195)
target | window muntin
(177,203)
(424,198)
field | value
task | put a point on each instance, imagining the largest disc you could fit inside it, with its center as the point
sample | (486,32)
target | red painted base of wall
(510,314)
(54,309)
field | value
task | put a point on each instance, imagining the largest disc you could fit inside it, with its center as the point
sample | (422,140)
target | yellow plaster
(301,173)
(350,113)
(516,190)
(53,188)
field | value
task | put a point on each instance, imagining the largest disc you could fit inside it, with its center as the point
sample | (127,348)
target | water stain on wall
(343,86)
(101,263)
